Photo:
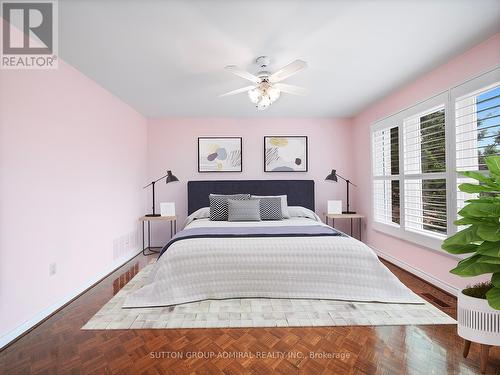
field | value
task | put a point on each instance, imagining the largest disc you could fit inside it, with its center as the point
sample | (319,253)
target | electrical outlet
(52,269)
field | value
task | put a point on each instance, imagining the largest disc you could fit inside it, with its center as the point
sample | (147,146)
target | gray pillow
(244,210)
(218,205)
(270,209)
(284,203)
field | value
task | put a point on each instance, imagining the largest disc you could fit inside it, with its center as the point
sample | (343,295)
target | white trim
(417,272)
(450,175)
(21,329)
(427,240)
(479,84)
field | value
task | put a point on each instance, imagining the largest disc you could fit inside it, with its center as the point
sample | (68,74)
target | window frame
(446,99)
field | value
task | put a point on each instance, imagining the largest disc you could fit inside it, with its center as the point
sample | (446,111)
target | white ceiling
(167,58)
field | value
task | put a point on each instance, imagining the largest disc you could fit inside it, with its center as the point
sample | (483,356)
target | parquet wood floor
(58,346)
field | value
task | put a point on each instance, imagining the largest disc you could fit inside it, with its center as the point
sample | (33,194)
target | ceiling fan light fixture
(265,101)
(261,107)
(264,95)
(267,87)
(274,94)
(254,95)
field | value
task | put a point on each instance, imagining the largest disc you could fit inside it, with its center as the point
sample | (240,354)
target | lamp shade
(171,177)
(332,176)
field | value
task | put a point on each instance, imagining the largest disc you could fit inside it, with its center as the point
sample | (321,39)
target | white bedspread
(274,267)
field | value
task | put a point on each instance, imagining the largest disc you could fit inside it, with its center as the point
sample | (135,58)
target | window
(417,152)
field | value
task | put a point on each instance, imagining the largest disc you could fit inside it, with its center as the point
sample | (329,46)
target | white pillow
(284,203)
(299,211)
(202,213)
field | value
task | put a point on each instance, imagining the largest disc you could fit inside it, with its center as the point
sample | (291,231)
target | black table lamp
(333,177)
(170,178)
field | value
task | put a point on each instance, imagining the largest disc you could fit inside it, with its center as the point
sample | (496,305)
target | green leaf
(471,267)
(495,279)
(489,232)
(481,210)
(482,236)
(459,249)
(484,200)
(462,239)
(491,249)
(474,188)
(471,220)
(493,297)
(493,164)
(488,259)
(482,178)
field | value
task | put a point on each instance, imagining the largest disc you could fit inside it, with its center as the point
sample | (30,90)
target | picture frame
(286,153)
(220,154)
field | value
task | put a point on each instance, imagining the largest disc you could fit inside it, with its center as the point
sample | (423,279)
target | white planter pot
(477,321)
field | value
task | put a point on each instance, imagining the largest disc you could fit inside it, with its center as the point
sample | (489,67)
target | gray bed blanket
(269,231)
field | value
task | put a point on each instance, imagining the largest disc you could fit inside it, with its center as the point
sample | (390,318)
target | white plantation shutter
(385,145)
(382,152)
(425,171)
(477,133)
(381,201)
(412,165)
(466,133)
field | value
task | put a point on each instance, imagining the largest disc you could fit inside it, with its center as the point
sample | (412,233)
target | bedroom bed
(297,257)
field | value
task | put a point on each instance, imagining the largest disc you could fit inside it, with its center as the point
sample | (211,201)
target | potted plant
(479,305)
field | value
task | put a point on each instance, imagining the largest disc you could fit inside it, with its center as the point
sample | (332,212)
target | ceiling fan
(267,87)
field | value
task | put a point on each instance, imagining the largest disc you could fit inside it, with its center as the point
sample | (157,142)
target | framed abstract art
(285,154)
(219,154)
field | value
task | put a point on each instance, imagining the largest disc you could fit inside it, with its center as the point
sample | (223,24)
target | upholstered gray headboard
(299,192)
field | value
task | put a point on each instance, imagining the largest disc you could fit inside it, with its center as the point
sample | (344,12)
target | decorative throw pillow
(284,203)
(218,205)
(247,210)
(270,208)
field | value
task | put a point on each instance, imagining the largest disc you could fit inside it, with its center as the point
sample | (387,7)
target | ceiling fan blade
(291,89)
(288,70)
(243,73)
(237,91)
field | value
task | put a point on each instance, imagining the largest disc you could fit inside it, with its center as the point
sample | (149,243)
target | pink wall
(72,163)
(477,60)
(173,145)
(73,159)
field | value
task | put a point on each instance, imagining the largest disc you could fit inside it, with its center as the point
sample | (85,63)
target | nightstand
(346,216)
(149,219)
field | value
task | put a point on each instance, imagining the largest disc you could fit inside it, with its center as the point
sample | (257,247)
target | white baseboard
(19,330)
(418,272)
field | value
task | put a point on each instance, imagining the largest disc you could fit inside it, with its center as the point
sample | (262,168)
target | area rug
(259,312)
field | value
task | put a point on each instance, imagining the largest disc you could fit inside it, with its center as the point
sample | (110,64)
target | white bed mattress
(273,267)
